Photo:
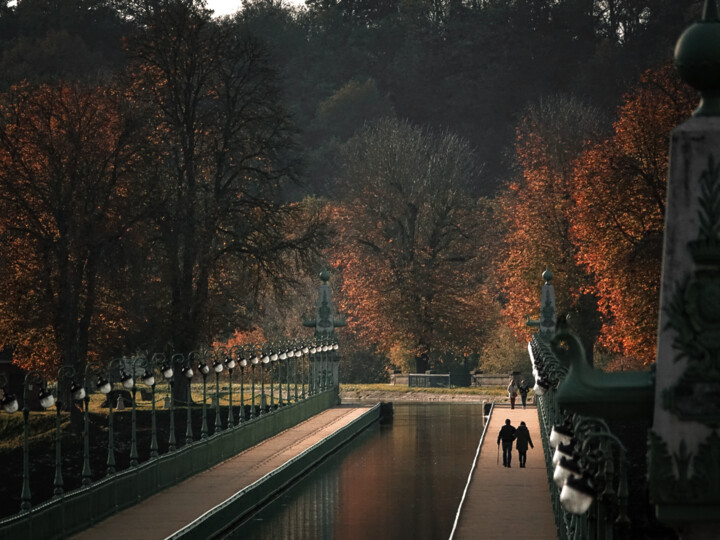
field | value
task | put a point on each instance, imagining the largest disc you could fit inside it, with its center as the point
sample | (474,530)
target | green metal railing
(592,454)
(71,511)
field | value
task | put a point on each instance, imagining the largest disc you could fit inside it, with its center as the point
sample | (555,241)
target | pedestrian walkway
(501,502)
(166,512)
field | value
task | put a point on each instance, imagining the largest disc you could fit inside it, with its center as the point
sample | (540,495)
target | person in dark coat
(522,436)
(523,390)
(507,436)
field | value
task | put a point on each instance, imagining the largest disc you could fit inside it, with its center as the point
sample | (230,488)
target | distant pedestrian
(523,390)
(506,436)
(522,436)
(512,392)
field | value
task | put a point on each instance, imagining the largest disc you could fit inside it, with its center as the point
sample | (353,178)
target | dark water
(401,480)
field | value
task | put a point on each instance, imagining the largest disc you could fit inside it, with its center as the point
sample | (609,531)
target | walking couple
(521,436)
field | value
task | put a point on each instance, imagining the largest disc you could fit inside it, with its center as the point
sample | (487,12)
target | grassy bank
(392,392)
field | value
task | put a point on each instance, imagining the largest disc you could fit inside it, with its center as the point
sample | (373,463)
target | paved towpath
(162,514)
(503,503)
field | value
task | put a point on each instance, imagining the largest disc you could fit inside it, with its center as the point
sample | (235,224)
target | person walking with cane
(506,436)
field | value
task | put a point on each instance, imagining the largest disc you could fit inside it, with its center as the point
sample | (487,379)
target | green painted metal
(79,509)
(223,516)
(601,455)
(589,391)
(65,372)
(697,58)
(32,379)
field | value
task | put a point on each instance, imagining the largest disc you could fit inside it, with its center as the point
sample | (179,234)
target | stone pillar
(325,323)
(548,317)
(684,445)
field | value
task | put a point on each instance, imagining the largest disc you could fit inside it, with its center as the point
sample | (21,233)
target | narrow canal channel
(395,481)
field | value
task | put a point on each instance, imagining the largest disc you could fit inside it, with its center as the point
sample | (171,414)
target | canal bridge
(236,453)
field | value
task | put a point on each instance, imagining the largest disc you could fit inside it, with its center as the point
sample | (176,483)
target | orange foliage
(619,210)
(65,174)
(535,210)
(254,336)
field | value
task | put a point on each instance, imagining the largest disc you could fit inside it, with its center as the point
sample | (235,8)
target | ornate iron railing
(585,462)
(296,372)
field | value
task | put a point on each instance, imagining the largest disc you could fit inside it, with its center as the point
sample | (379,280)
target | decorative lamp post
(278,361)
(304,350)
(296,353)
(111,418)
(32,378)
(168,371)
(335,364)
(254,360)
(188,373)
(217,368)
(150,380)
(242,362)
(270,367)
(312,379)
(204,369)
(265,360)
(305,365)
(230,364)
(103,386)
(137,362)
(65,372)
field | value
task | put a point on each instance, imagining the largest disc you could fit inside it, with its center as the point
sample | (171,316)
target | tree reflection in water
(401,480)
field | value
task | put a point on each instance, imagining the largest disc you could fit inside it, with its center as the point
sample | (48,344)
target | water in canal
(396,481)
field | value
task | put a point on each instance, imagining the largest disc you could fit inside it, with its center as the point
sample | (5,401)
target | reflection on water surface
(401,480)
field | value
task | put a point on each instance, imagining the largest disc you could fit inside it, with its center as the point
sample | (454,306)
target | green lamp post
(217,368)
(188,373)
(230,365)
(148,378)
(65,372)
(254,360)
(242,362)
(103,386)
(204,369)
(33,380)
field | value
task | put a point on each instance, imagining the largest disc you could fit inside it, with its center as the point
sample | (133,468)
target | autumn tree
(225,147)
(619,213)
(408,242)
(70,190)
(535,209)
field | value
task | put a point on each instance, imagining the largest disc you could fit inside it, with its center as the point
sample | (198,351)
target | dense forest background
(169,179)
